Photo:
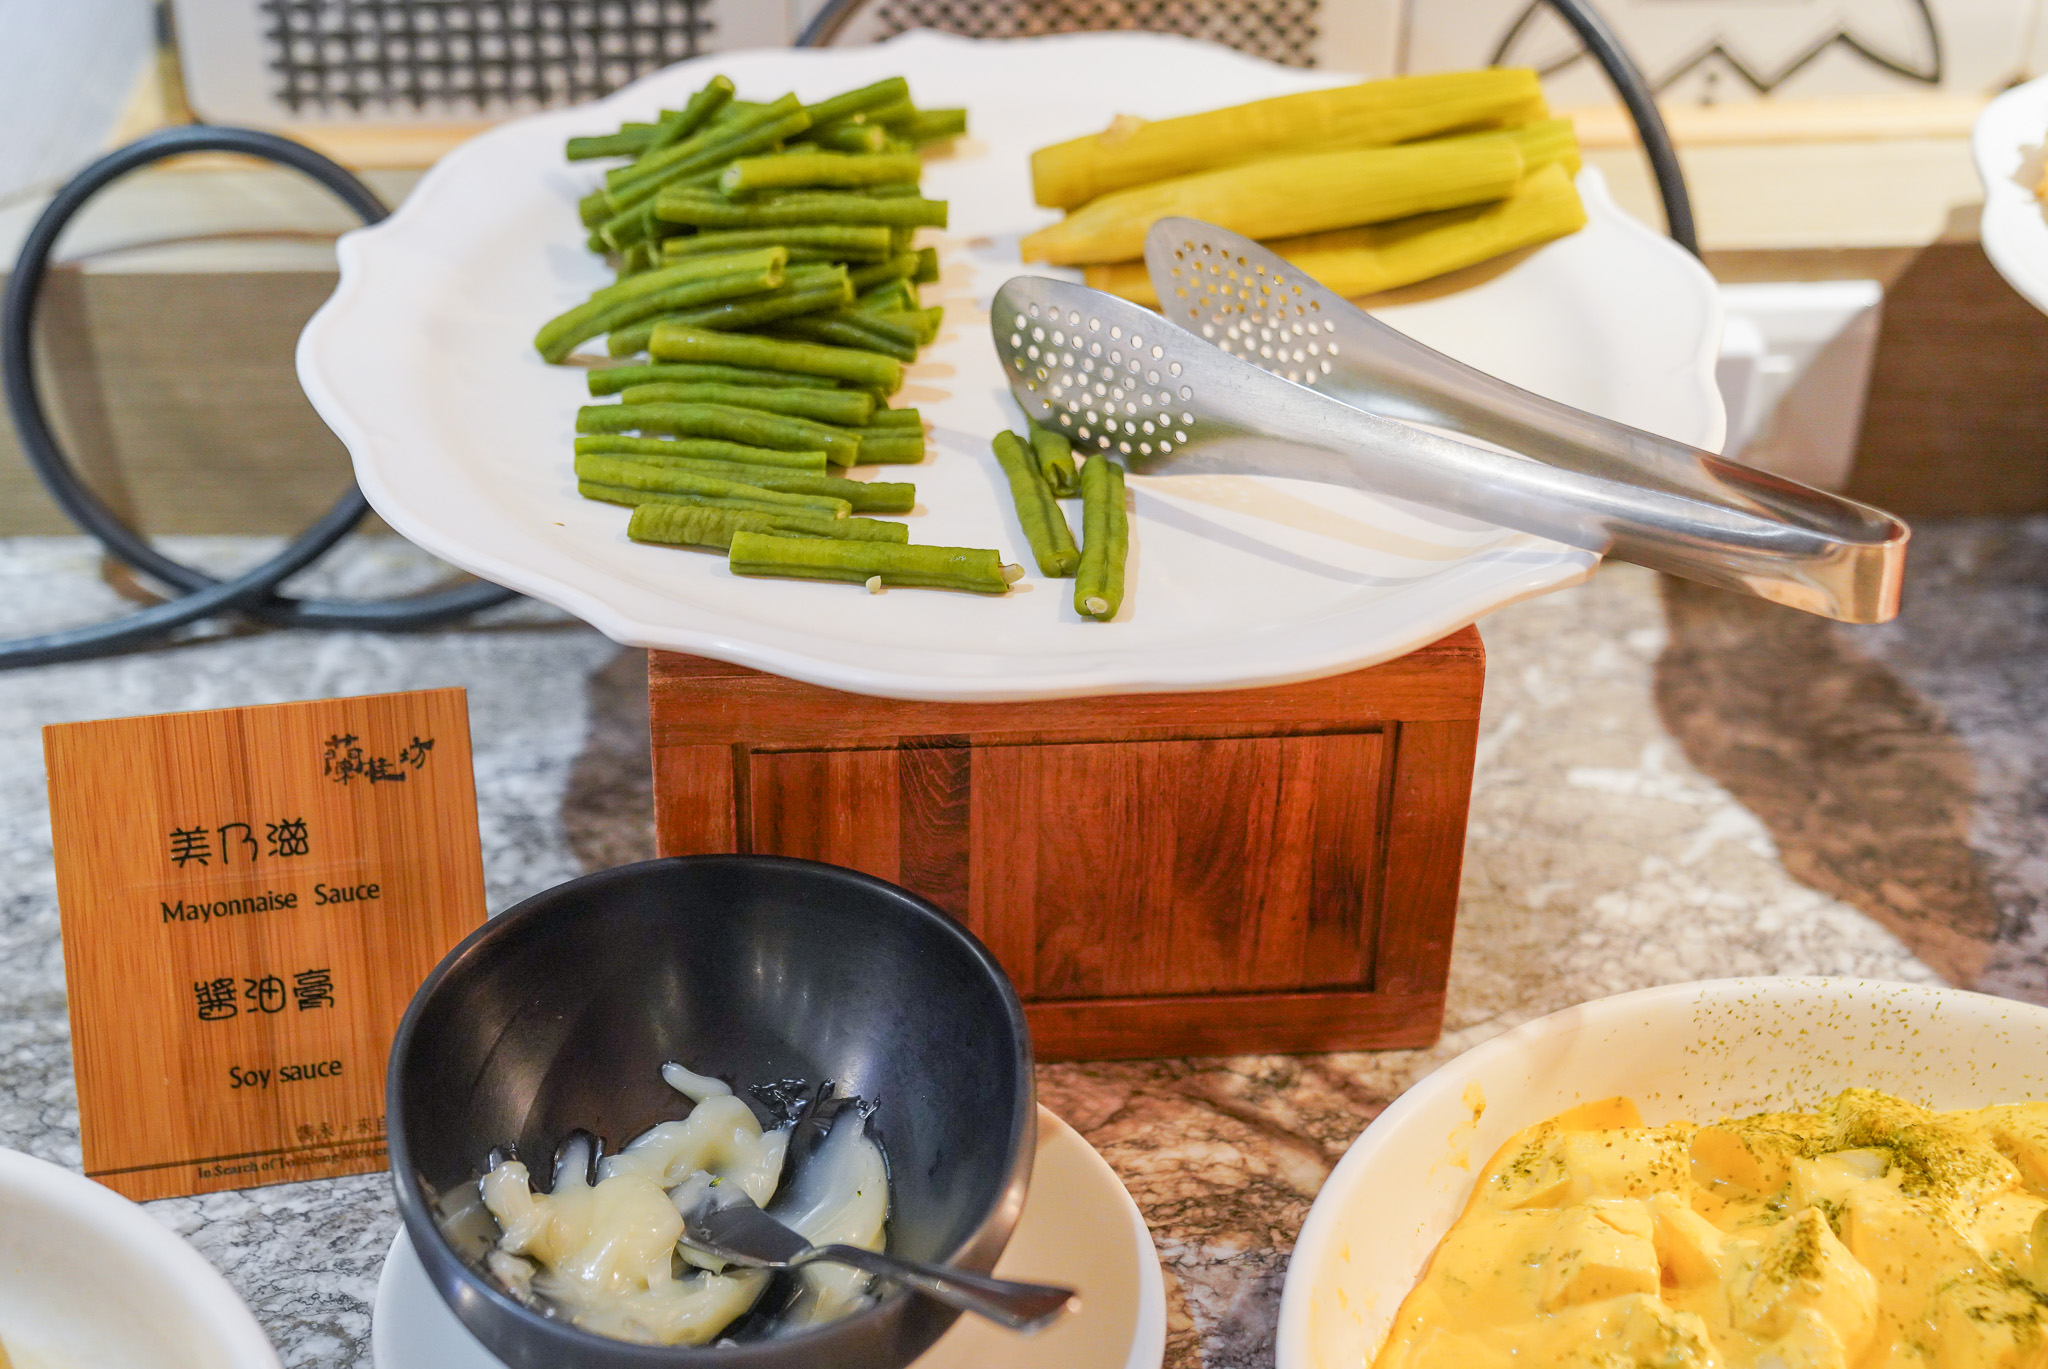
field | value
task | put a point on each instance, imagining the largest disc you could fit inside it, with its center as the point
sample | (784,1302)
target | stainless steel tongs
(1274,374)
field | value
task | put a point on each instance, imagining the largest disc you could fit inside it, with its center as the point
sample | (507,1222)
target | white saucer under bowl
(1079,1227)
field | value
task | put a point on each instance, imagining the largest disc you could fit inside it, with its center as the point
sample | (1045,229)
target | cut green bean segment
(831,170)
(705,209)
(752,311)
(849,136)
(639,475)
(968,568)
(848,408)
(701,449)
(699,110)
(631,498)
(894,115)
(901,266)
(749,426)
(896,418)
(927,270)
(889,91)
(891,447)
(1038,514)
(889,297)
(713,264)
(630,141)
(1105,540)
(847,241)
(701,150)
(682,343)
(935,125)
(662,291)
(841,331)
(676,524)
(866,496)
(611,380)
(1055,456)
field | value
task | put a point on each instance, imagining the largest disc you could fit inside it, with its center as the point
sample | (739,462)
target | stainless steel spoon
(727,1225)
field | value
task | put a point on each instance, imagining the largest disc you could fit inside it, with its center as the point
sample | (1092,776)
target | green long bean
(749,426)
(702,449)
(888,91)
(891,447)
(703,209)
(1038,514)
(636,475)
(927,271)
(682,343)
(788,302)
(692,525)
(1105,540)
(889,297)
(611,380)
(630,141)
(839,330)
(900,266)
(847,408)
(702,150)
(845,241)
(664,291)
(866,496)
(833,170)
(847,135)
(872,563)
(632,498)
(935,125)
(896,418)
(1055,456)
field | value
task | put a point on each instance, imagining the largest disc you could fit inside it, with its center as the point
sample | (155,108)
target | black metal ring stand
(254,591)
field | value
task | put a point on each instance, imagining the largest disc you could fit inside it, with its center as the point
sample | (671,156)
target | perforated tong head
(1258,369)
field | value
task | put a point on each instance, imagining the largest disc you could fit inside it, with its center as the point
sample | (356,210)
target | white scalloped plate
(2009,142)
(461,435)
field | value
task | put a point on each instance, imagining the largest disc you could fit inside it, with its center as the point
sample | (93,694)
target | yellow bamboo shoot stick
(1305,193)
(1382,256)
(1373,114)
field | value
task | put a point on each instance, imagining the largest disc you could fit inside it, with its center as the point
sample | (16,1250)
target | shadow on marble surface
(1864,787)
(1903,768)
(608,805)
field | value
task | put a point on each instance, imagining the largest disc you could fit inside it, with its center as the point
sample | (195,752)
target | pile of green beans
(764,307)
(1040,472)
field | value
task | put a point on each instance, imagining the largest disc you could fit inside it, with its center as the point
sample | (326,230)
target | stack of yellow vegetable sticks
(765,264)
(1364,187)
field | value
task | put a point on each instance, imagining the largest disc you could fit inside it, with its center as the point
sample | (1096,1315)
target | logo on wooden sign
(249,898)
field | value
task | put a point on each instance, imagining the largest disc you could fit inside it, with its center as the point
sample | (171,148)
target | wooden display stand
(1161,874)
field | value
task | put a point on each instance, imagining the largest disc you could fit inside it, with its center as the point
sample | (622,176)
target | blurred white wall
(67,67)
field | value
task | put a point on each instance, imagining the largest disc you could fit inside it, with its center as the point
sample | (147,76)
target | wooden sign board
(250,896)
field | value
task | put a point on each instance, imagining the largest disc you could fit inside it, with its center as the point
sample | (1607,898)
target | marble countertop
(1628,828)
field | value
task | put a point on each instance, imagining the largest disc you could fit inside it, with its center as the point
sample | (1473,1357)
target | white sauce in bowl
(607,1255)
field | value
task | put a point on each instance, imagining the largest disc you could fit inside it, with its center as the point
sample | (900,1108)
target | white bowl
(1705,1050)
(2008,144)
(88,1280)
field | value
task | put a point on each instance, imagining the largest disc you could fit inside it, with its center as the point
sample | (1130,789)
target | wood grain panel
(697,701)
(695,806)
(241,900)
(934,787)
(1432,789)
(1178,867)
(1232,1024)
(841,807)
(1158,874)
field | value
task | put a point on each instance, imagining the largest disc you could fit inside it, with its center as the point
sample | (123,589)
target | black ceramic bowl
(559,1014)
